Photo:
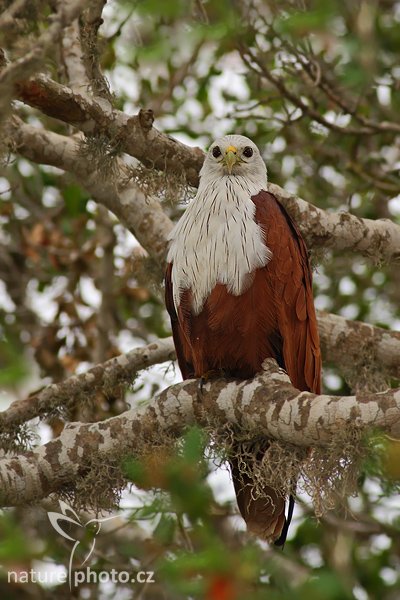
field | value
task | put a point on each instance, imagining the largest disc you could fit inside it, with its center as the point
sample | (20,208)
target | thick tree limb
(108,375)
(134,135)
(267,405)
(142,215)
(378,240)
(352,344)
(343,343)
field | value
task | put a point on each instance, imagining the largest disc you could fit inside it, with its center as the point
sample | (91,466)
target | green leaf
(13,366)
(165,530)
(75,200)
(308,21)
(194,443)
(162,9)
(13,546)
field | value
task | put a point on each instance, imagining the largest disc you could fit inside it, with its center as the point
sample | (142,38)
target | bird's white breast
(217,241)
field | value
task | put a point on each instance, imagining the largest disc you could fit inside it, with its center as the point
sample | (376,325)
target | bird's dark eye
(216,151)
(247,152)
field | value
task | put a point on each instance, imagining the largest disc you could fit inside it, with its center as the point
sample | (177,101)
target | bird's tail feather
(264,513)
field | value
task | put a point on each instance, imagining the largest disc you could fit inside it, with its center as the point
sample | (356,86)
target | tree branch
(257,65)
(141,215)
(113,372)
(267,405)
(8,15)
(32,59)
(353,344)
(90,22)
(134,135)
(343,343)
(378,240)
(73,60)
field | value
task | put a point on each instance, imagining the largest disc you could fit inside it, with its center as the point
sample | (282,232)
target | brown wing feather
(290,275)
(182,345)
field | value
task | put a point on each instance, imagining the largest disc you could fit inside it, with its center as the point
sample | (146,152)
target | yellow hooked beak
(230,157)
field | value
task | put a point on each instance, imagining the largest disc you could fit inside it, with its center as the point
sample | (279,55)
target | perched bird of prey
(239,290)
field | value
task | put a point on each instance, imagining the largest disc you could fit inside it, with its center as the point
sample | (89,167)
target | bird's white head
(236,156)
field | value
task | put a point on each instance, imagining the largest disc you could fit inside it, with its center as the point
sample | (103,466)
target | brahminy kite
(239,290)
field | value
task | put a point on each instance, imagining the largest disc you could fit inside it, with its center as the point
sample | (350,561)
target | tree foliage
(315,85)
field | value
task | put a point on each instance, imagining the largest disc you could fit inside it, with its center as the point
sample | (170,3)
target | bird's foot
(207,376)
